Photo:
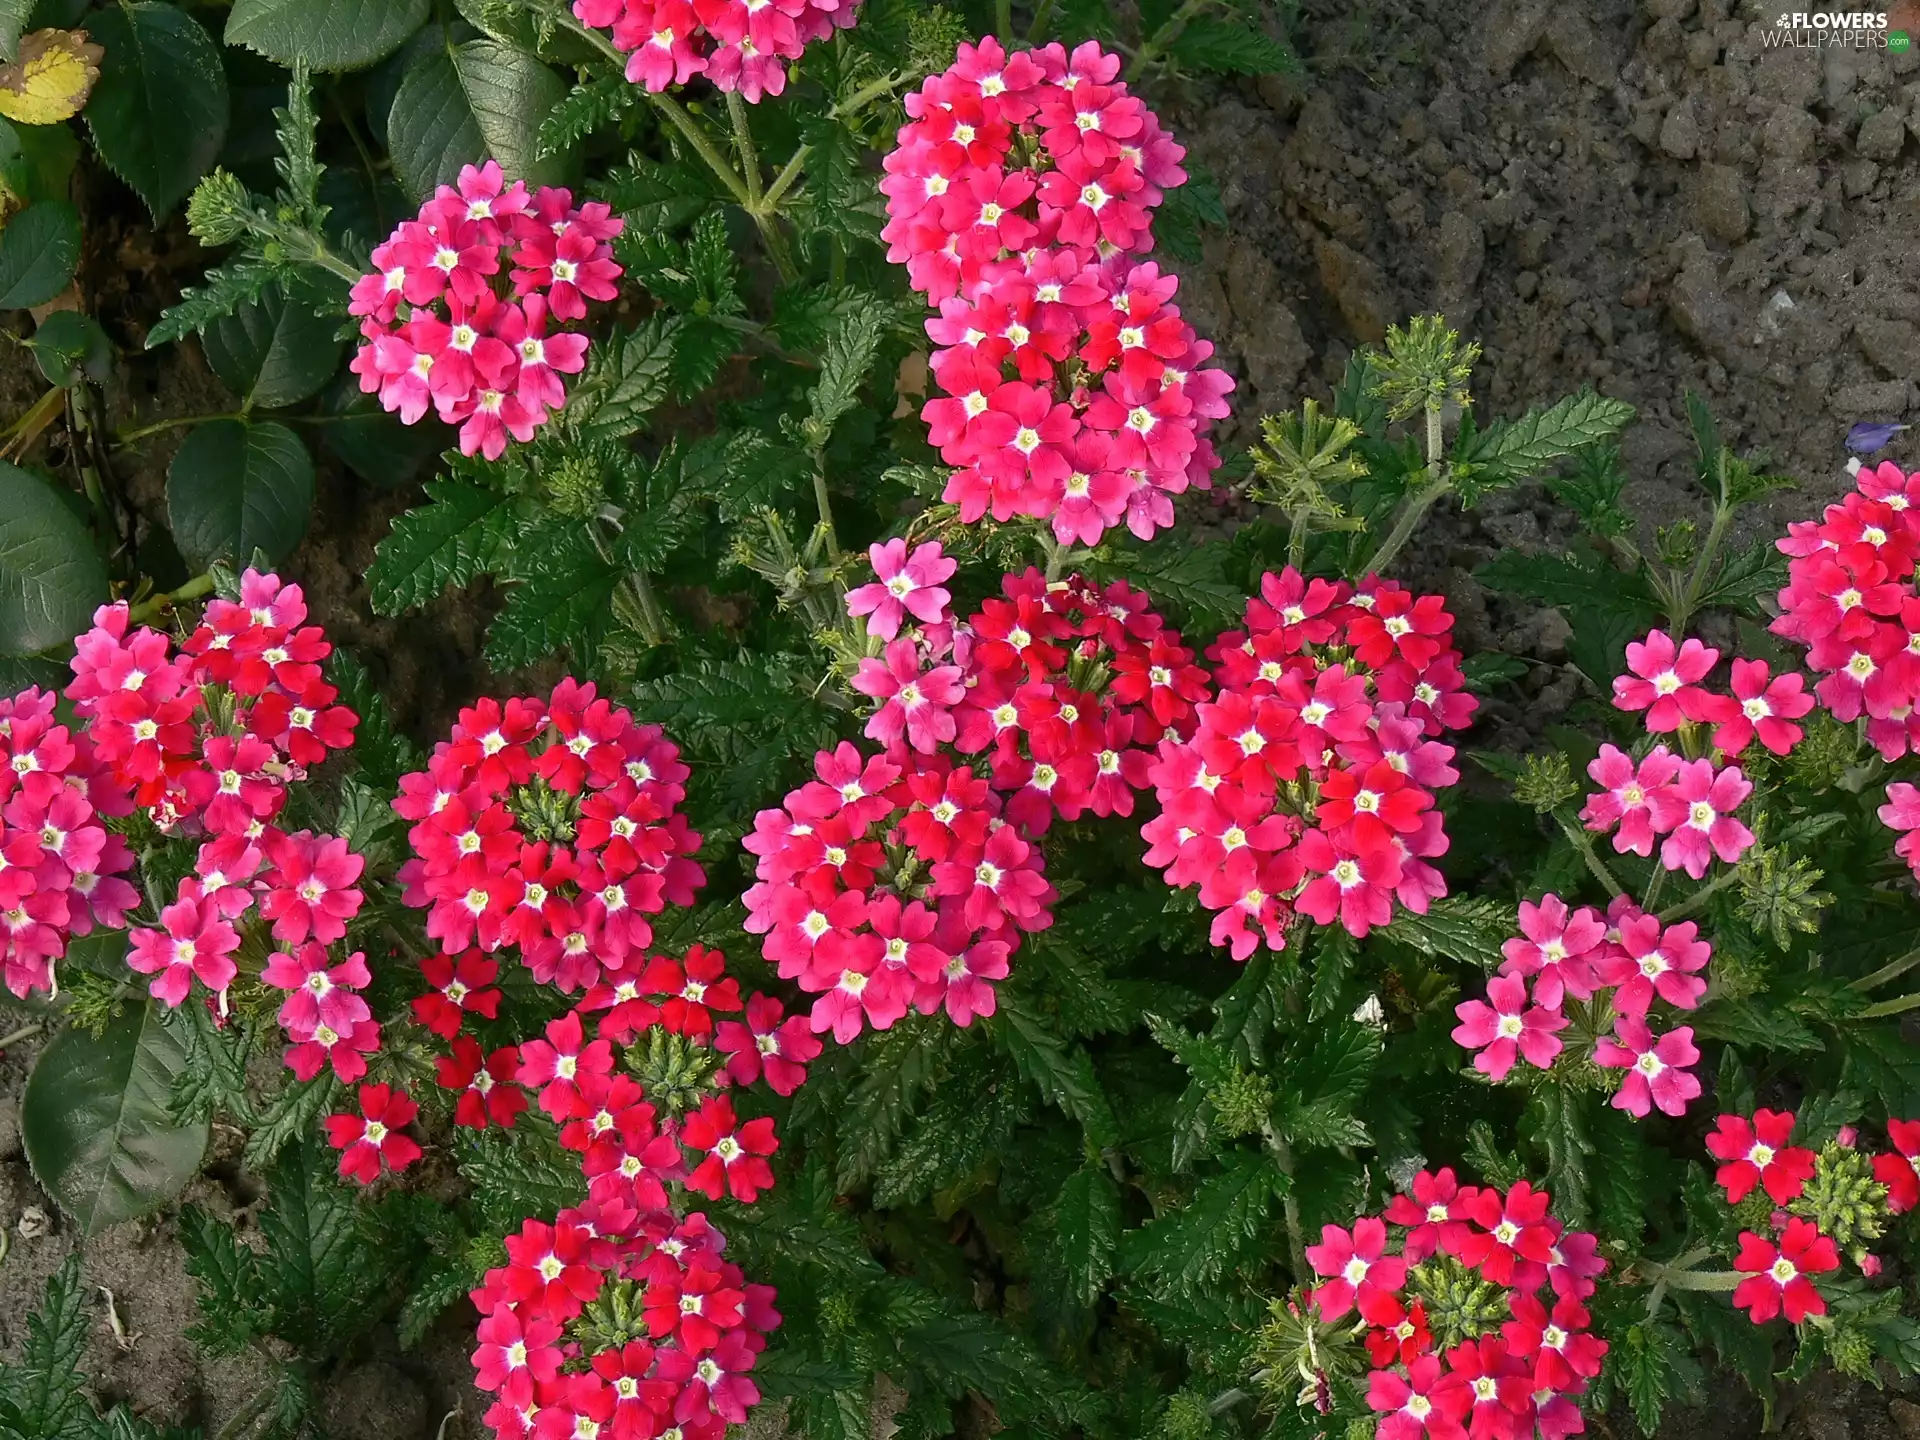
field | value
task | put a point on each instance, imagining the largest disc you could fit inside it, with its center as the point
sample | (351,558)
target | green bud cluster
(1822,759)
(673,1070)
(1295,1348)
(1426,366)
(219,209)
(543,812)
(1546,782)
(1241,1102)
(615,1317)
(1843,1198)
(1186,1417)
(1460,1304)
(1779,897)
(576,486)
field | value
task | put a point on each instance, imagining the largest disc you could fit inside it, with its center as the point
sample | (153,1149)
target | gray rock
(1680,134)
(1669,9)
(1581,48)
(1463,250)
(1906,1418)
(1882,135)
(374,1401)
(1893,345)
(1359,289)
(1790,134)
(1872,400)
(1720,206)
(1513,27)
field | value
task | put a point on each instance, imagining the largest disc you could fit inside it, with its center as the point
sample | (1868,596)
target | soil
(1629,194)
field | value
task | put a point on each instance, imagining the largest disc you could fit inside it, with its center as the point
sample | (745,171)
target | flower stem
(1156,44)
(1042,14)
(678,117)
(1003,20)
(1583,842)
(151,606)
(1412,510)
(743,142)
(1891,971)
(25,1032)
(1889,1007)
(1688,601)
(1695,901)
(1289,1202)
(172,422)
(824,503)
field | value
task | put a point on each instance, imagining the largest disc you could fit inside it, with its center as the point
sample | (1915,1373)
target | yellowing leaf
(51,79)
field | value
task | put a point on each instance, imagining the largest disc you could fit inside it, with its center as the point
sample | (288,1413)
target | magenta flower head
(1698,808)
(904,585)
(1503,1027)
(1658,1072)
(913,704)
(1765,708)
(1664,681)
(1558,947)
(1625,799)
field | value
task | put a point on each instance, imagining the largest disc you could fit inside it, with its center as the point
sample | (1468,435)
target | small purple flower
(1868,436)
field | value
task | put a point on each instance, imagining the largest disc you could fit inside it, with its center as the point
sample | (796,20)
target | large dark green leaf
(1087,1216)
(272,351)
(14,15)
(238,486)
(38,251)
(159,113)
(327,34)
(460,104)
(51,576)
(95,1123)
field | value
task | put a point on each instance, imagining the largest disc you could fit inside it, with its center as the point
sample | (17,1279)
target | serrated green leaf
(271,351)
(631,374)
(1745,578)
(1509,451)
(559,599)
(655,197)
(1558,1124)
(899,1065)
(1223,47)
(237,486)
(462,532)
(38,251)
(1189,1249)
(15,15)
(326,34)
(1333,960)
(848,357)
(1753,1022)
(95,1121)
(1570,581)
(159,114)
(586,109)
(962,1352)
(225,291)
(316,1276)
(229,1278)
(1459,927)
(42,1388)
(954,1139)
(51,574)
(1063,1074)
(461,104)
(294,1113)
(70,347)
(1086,1217)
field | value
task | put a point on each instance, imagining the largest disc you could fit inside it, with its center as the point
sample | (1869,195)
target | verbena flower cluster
(61,869)
(739,45)
(463,308)
(1626,965)
(207,741)
(1808,1210)
(1019,198)
(1308,783)
(1472,1303)
(551,826)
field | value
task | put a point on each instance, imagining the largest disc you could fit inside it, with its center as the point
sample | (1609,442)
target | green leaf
(1569,580)
(1654,1367)
(1751,1022)
(15,15)
(1063,1074)
(295,1112)
(40,1394)
(1512,450)
(1333,960)
(1459,927)
(850,353)
(373,443)
(95,1122)
(70,347)
(1557,1123)
(326,34)
(316,1275)
(1087,1222)
(272,351)
(630,374)
(237,486)
(560,600)
(463,531)
(1222,47)
(585,110)
(38,251)
(898,1065)
(655,197)
(460,104)
(51,576)
(1189,1249)
(159,113)
(1745,578)
(229,1276)
(226,290)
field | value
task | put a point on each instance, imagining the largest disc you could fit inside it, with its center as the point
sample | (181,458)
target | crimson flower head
(517,1354)
(1515,1236)
(1625,798)
(1900,1171)
(1764,707)
(770,1043)
(1356,1265)
(1557,947)
(460,987)
(488,1095)
(1426,1402)
(1435,1213)
(196,943)
(1664,681)
(903,585)
(310,889)
(735,1161)
(1699,809)
(1781,1277)
(560,1065)
(372,1139)
(1756,1152)
(688,993)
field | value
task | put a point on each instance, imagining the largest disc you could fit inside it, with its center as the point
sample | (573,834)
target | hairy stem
(1899,1006)
(743,142)
(678,117)
(25,1032)
(1891,971)
(1042,15)
(824,503)
(1003,20)
(1412,510)
(1688,601)
(153,605)
(1578,837)
(172,422)
(1694,902)
(1156,44)
(1289,1202)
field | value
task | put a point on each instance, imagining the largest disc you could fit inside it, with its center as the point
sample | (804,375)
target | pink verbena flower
(195,943)
(1503,1027)
(903,585)
(1626,797)
(1767,706)
(1557,947)
(915,704)
(1664,681)
(1698,808)
(1658,1072)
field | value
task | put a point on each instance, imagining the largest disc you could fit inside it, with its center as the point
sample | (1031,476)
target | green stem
(1289,1202)
(1583,842)
(1297,538)
(25,1032)
(83,416)
(1891,971)
(1694,1279)
(743,142)
(783,182)
(824,503)
(866,95)
(1003,20)
(1157,43)
(172,422)
(151,606)
(1689,600)
(656,620)
(1042,14)
(1412,510)
(702,146)
(1695,901)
